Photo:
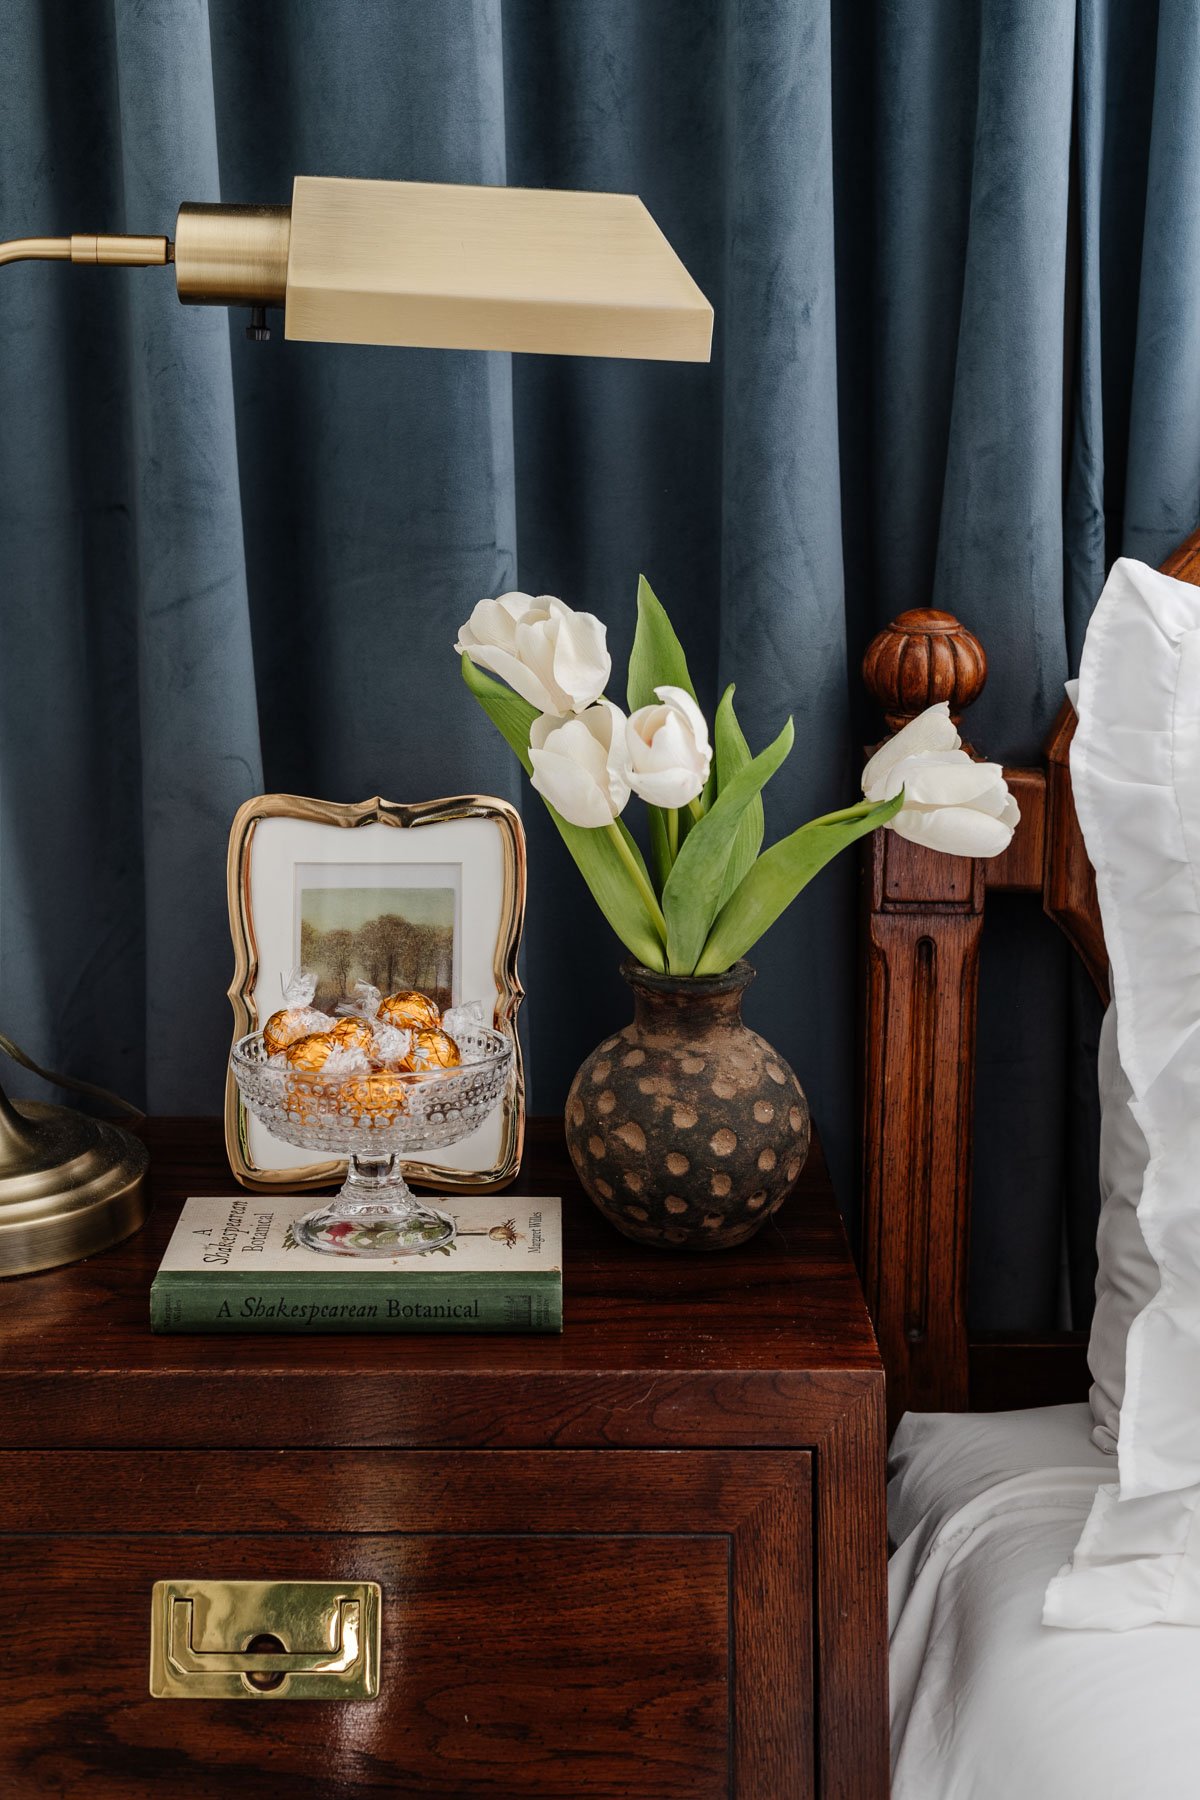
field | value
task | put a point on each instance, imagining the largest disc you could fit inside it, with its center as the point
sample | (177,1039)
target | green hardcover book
(234,1265)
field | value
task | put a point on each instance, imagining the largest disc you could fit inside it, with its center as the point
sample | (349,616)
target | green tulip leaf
(511,715)
(780,873)
(660,849)
(657,658)
(596,853)
(731,753)
(692,895)
(613,889)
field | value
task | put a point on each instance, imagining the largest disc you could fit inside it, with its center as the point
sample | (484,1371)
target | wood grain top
(763,1345)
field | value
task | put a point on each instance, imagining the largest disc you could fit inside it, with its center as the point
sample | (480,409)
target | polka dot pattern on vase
(687,1129)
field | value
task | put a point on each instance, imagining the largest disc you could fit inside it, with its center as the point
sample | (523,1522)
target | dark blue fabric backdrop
(226,567)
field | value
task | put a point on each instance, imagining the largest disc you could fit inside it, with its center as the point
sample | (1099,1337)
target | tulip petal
(681,703)
(607,722)
(948,778)
(581,664)
(931,730)
(494,621)
(541,728)
(1000,804)
(535,649)
(670,744)
(510,669)
(954,830)
(670,788)
(571,789)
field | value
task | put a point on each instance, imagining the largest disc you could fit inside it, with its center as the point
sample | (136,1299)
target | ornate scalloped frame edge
(509,992)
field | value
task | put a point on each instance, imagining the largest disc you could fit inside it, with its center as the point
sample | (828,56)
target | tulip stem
(672,819)
(857,811)
(649,898)
(696,810)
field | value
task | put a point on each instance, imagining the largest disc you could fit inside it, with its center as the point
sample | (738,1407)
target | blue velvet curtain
(957,358)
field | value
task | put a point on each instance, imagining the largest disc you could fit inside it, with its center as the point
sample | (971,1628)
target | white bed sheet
(987,1702)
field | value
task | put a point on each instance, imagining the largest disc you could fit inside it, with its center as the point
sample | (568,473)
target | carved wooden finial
(920,658)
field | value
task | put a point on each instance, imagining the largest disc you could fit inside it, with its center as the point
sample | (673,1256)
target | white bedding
(987,1702)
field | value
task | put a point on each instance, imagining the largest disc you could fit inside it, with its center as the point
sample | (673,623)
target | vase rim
(654,981)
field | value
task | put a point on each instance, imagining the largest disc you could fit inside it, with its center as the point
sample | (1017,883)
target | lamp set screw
(258,331)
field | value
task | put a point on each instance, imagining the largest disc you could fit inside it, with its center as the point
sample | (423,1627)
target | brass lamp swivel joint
(232,255)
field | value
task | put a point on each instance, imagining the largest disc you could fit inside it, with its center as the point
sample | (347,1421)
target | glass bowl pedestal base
(375,1213)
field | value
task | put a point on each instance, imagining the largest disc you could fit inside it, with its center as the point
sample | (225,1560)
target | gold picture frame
(509,992)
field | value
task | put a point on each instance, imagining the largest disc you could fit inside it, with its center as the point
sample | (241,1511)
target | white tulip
(580,764)
(669,751)
(554,657)
(951,802)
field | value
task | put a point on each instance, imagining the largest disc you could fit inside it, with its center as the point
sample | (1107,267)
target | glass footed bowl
(375,1213)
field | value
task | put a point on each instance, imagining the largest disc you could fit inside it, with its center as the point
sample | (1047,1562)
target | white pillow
(1126,1273)
(1135,766)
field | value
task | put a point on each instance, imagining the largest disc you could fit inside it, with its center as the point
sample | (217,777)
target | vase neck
(662,1003)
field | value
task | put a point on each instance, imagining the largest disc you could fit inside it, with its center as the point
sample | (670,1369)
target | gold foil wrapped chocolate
(432,1049)
(376,1097)
(409,1009)
(312,1052)
(354,1034)
(292,1022)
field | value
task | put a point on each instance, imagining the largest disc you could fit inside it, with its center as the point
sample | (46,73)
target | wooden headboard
(922,920)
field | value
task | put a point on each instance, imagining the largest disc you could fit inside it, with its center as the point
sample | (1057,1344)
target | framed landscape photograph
(428,896)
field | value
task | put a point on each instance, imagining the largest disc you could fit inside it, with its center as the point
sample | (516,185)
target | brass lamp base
(69,1185)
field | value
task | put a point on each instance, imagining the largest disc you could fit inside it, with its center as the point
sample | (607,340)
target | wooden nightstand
(646,1558)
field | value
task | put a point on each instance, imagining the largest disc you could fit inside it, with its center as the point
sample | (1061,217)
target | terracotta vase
(687,1129)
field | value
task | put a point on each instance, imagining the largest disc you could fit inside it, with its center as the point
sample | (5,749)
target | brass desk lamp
(354,262)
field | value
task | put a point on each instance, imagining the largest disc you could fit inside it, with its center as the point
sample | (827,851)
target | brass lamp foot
(69,1185)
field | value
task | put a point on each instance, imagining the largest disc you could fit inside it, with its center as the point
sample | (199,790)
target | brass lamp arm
(223,255)
(126,252)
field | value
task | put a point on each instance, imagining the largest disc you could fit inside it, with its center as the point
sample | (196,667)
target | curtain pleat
(227,566)
(200,750)
(1162,494)
(72,939)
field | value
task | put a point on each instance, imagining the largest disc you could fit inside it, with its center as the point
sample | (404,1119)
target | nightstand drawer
(553,1623)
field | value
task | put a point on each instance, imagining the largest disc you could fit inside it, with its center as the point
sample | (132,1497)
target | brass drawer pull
(324,1639)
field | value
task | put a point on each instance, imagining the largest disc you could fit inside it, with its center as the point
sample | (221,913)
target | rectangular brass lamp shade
(457,268)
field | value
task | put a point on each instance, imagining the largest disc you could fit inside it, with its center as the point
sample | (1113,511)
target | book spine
(490,1303)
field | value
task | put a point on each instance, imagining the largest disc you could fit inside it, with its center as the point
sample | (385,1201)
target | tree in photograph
(336,955)
(383,950)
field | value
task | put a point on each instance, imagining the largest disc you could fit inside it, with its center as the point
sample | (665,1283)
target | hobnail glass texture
(443,1105)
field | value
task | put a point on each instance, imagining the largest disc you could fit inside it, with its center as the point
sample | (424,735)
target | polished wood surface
(573,1636)
(923,917)
(661,1348)
(645,1559)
